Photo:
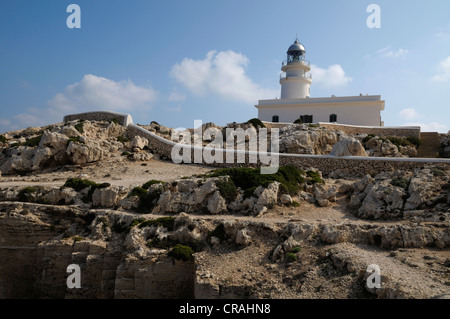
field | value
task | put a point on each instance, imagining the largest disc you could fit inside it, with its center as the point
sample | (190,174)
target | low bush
(228,190)
(181,252)
(148,200)
(33,142)
(80,127)
(291,257)
(256,122)
(3,139)
(438,172)
(298,121)
(248,179)
(151,182)
(79,184)
(75,139)
(414,140)
(122,139)
(368,138)
(400,182)
(314,177)
(25,193)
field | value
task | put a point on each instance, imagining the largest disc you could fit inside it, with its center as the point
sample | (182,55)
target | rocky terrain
(143,227)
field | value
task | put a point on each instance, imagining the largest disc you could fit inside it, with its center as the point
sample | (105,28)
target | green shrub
(115,121)
(125,153)
(248,179)
(227,189)
(80,127)
(137,191)
(438,172)
(75,139)
(136,222)
(314,177)
(256,122)
(79,184)
(295,204)
(151,182)
(181,252)
(33,142)
(414,140)
(3,139)
(122,139)
(296,249)
(400,181)
(148,201)
(77,238)
(368,138)
(291,257)
(298,121)
(25,193)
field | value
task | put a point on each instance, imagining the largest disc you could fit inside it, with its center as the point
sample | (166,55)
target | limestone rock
(107,197)
(217,204)
(85,153)
(139,142)
(348,146)
(242,237)
(286,199)
(269,195)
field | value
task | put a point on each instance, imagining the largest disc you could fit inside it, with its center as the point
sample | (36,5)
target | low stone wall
(356,166)
(379,131)
(123,119)
(354,130)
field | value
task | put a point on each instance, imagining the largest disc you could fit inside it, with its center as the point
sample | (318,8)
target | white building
(295,102)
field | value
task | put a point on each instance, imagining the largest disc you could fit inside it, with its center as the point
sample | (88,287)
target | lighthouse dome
(297,46)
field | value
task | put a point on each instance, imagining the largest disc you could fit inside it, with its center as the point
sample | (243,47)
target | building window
(306,118)
(275,119)
(333,118)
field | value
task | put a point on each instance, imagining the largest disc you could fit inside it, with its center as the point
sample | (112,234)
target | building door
(275,119)
(333,118)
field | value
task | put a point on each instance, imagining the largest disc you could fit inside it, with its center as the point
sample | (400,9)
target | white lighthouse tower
(296,102)
(295,81)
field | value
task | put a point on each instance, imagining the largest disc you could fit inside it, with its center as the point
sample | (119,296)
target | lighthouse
(295,80)
(296,102)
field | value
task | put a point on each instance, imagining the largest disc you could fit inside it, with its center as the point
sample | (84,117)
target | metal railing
(285,77)
(304,62)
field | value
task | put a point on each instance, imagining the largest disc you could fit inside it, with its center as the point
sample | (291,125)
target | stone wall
(123,119)
(353,129)
(326,163)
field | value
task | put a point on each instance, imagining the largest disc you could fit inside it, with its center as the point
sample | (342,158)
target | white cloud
(176,97)
(387,53)
(409,114)
(443,74)
(430,127)
(221,73)
(98,93)
(91,93)
(334,76)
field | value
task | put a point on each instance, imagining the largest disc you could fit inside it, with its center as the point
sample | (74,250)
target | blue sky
(178,61)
